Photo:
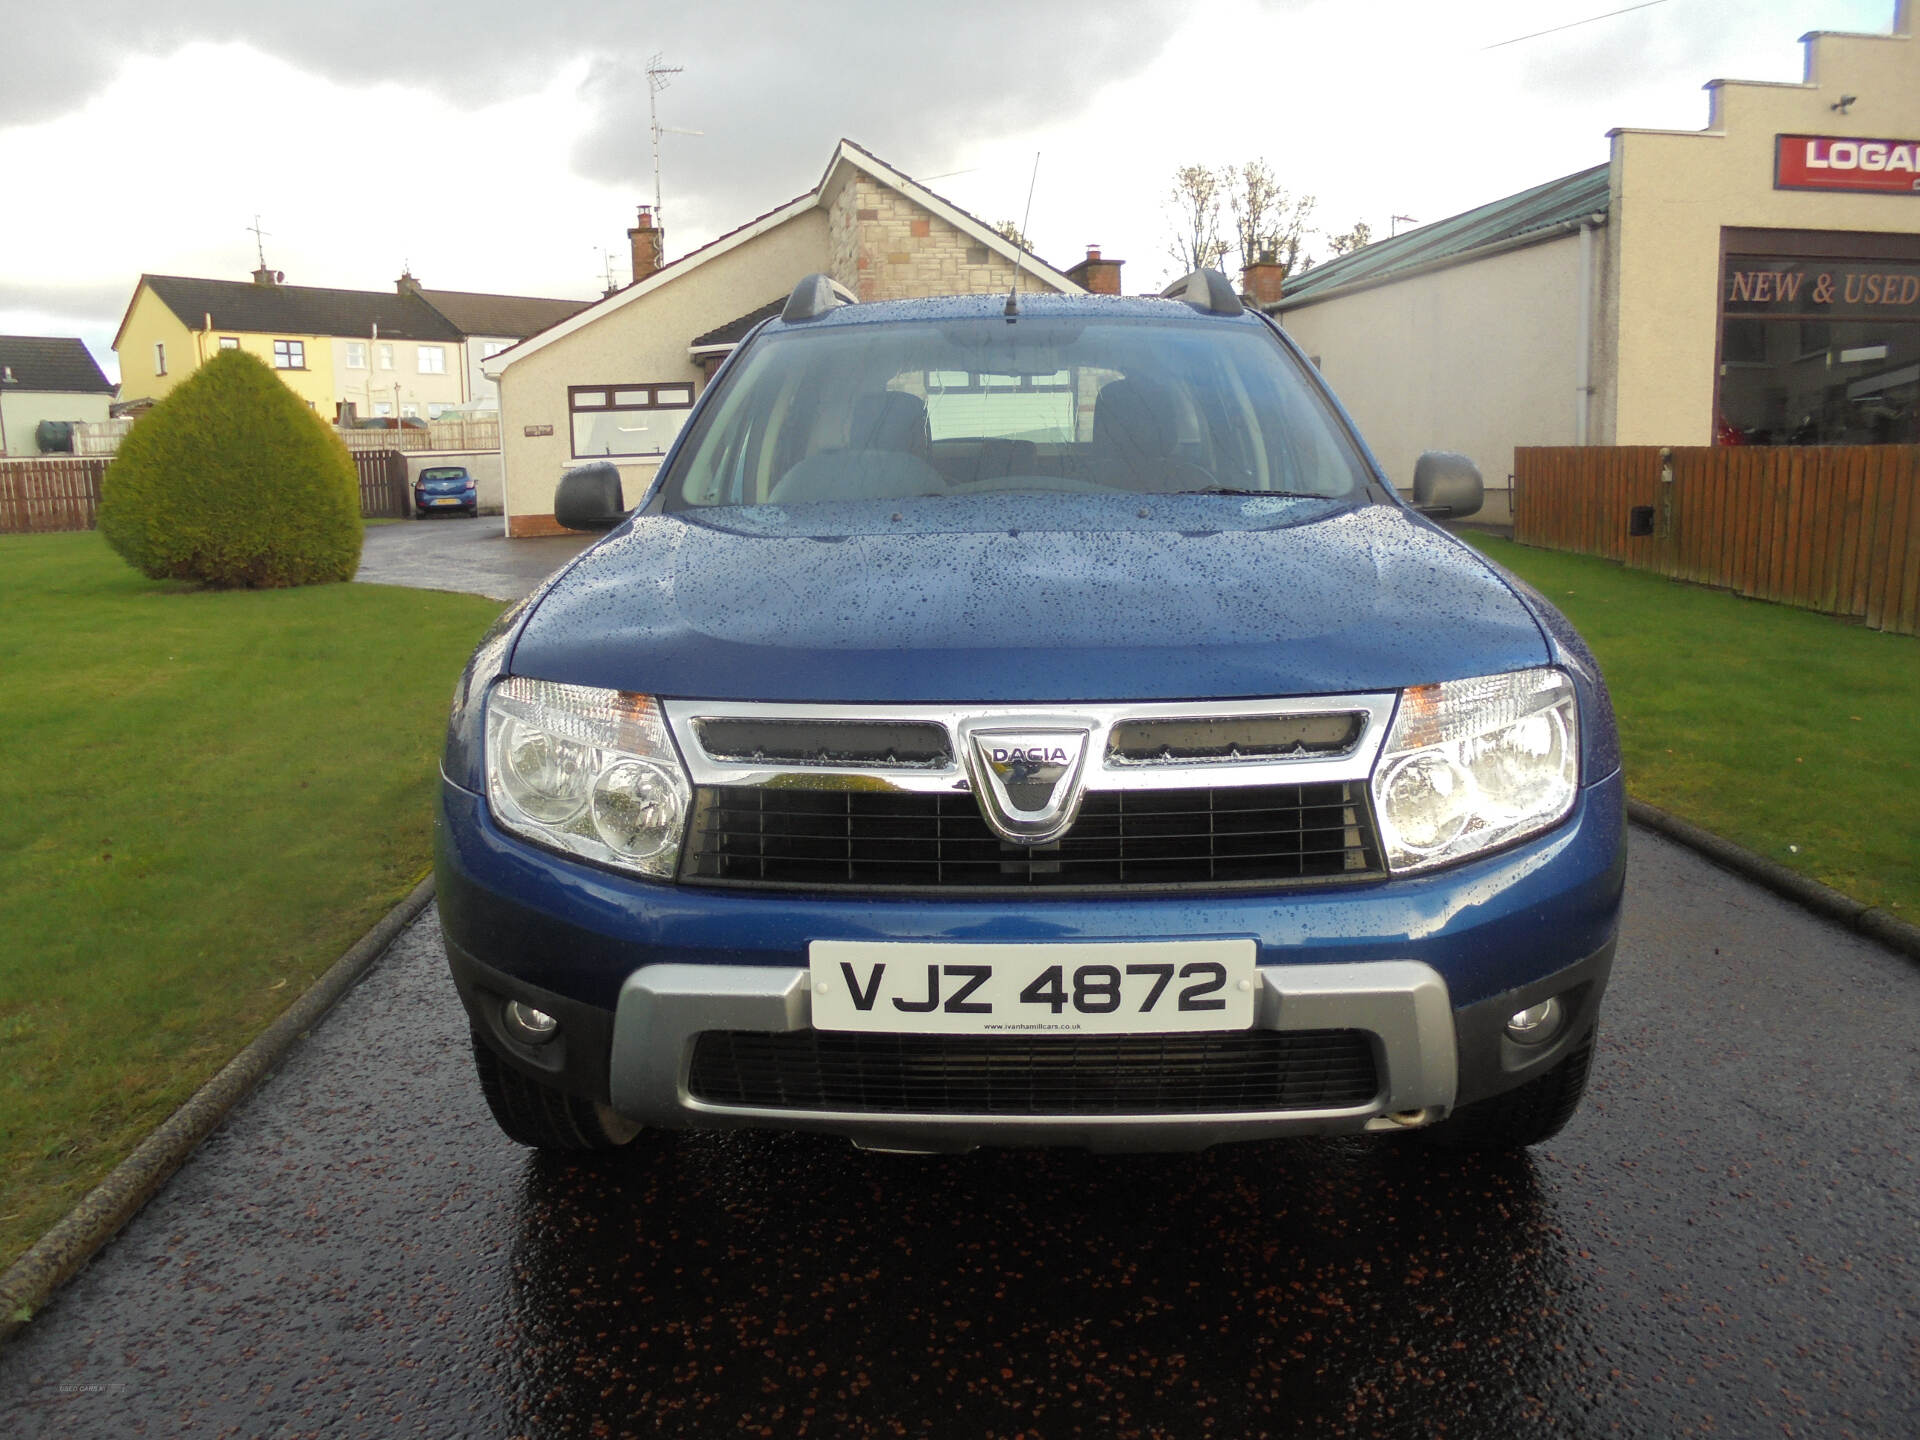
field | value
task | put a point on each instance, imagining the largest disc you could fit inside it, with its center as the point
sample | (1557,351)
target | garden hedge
(233,481)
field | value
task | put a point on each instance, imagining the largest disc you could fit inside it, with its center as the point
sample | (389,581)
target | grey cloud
(79,301)
(772,85)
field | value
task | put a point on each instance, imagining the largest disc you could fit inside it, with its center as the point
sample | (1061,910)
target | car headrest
(891,420)
(1133,418)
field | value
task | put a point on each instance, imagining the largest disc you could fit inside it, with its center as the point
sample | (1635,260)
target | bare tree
(1269,223)
(1361,234)
(1193,206)
(1007,230)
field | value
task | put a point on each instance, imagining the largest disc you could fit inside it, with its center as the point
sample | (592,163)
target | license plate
(1135,987)
(446,500)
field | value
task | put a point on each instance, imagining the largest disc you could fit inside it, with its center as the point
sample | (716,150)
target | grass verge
(1789,732)
(208,797)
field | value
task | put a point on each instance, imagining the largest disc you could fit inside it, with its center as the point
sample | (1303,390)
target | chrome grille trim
(1102,772)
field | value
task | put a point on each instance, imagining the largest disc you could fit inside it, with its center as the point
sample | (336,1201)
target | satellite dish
(279,276)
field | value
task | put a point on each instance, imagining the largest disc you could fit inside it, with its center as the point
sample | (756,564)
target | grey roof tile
(50,363)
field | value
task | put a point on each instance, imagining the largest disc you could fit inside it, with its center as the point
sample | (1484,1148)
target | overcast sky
(503,146)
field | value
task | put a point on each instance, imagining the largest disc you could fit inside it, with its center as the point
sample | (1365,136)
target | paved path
(1722,1244)
(451,552)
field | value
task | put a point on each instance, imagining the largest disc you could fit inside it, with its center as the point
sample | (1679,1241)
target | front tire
(1536,1111)
(543,1117)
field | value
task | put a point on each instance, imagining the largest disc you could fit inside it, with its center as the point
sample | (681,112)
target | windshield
(457,473)
(954,408)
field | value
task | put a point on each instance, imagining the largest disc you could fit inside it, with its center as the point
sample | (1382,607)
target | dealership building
(1756,282)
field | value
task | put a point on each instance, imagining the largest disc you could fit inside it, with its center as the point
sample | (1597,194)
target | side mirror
(1447,486)
(589,498)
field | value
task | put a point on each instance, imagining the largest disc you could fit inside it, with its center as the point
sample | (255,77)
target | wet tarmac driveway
(1722,1244)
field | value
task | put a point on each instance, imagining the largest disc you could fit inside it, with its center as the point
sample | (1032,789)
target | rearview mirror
(589,498)
(1447,486)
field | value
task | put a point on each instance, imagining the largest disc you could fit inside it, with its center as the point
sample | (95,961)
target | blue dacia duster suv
(1029,720)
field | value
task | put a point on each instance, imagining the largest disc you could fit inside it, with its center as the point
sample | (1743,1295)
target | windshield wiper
(1233,490)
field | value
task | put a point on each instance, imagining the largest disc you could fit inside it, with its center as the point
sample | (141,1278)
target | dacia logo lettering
(1028,781)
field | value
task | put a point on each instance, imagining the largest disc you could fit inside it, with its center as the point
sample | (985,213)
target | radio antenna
(1020,249)
(659,76)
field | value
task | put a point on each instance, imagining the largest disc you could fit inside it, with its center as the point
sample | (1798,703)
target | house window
(385,353)
(491,348)
(437,408)
(229,342)
(410,411)
(289,354)
(969,403)
(159,358)
(627,419)
(356,354)
(382,409)
(433,360)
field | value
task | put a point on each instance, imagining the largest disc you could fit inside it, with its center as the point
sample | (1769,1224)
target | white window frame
(356,354)
(383,355)
(491,348)
(229,342)
(591,400)
(438,355)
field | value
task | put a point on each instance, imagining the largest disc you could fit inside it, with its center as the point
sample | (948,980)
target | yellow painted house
(391,354)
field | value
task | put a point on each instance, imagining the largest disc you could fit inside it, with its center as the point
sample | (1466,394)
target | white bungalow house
(615,381)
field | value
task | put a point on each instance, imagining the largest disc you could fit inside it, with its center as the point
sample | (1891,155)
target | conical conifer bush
(232,481)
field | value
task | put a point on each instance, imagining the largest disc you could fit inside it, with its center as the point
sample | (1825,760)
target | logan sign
(1837,162)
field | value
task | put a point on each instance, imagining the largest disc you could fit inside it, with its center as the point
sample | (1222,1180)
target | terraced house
(411,352)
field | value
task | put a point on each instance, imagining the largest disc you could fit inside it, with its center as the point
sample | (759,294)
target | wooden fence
(1832,527)
(45,495)
(384,492)
(438,435)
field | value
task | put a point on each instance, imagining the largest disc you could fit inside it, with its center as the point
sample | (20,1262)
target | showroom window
(1819,340)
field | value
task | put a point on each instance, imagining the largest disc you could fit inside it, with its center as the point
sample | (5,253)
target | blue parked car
(444,488)
(1030,720)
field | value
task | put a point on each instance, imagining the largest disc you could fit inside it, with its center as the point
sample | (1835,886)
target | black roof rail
(815,296)
(1206,290)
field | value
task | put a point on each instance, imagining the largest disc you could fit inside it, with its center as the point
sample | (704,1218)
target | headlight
(1471,764)
(592,772)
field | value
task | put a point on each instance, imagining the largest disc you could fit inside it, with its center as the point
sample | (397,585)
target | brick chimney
(406,284)
(1095,275)
(648,244)
(1261,282)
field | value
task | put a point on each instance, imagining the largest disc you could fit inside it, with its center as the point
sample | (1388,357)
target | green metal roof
(1542,208)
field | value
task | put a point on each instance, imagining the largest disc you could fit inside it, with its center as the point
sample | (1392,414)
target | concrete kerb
(1877,924)
(59,1254)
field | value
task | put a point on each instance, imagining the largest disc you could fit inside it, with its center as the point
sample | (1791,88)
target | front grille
(1248,1071)
(1273,834)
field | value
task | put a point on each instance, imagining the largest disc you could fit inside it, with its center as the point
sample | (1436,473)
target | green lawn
(206,798)
(1795,734)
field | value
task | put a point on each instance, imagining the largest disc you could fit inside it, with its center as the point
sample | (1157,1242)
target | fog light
(1535,1023)
(536,1027)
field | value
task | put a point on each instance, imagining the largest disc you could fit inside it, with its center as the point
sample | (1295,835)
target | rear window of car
(454,474)
(1049,403)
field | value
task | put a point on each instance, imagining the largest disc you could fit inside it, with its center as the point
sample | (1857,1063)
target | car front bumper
(1428,967)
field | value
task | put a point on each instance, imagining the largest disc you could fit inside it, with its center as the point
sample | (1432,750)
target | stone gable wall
(885,247)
